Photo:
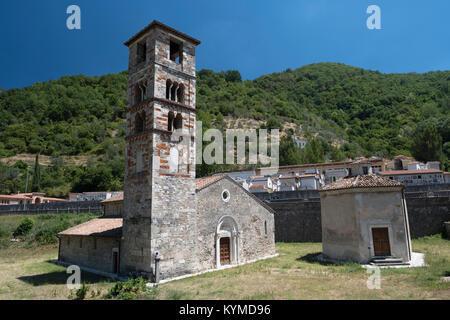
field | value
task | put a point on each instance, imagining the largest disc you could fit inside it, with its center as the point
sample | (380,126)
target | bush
(24,227)
(48,235)
(127,290)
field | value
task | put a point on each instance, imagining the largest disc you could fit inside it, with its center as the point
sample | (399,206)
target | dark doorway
(115,262)
(381,246)
(224,250)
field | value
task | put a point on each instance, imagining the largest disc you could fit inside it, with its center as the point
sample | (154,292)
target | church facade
(173,224)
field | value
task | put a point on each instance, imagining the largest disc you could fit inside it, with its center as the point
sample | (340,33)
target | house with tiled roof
(27,198)
(365,220)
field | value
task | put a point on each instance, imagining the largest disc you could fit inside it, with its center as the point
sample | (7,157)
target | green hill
(344,108)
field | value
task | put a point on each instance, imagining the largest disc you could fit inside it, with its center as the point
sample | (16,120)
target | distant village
(285,178)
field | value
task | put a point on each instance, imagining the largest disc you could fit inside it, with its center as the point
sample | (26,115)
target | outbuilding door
(381,245)
(224,250)
(115,262)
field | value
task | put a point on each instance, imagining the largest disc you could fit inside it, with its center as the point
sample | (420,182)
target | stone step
(387,261)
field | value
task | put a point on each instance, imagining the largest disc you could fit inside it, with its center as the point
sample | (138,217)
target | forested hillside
(342,110)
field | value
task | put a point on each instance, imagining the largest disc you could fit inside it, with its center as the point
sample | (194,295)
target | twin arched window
(174,91)
(174,122)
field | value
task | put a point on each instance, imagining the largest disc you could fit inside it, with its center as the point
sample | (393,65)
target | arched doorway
(227,242)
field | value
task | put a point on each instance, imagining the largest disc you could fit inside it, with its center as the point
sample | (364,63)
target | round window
(225,195)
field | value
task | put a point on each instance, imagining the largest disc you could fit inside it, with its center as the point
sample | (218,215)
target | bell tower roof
(157,24)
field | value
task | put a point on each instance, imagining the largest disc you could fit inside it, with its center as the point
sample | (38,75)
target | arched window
(139,124)
(180,94)
(168,88)
(173,91)
(178,123)
(140,92)
(170,121)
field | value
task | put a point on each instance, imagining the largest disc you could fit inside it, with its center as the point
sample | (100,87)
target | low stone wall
(53,207)
(447,229)
(298,219)
(91,252)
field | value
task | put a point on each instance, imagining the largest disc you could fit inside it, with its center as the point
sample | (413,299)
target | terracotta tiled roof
(401,172)
(118,197)
(101,227)
(446,173)
(307,175)
(201,183)
(366,181)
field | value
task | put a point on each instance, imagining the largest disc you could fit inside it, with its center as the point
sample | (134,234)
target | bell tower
(159,184)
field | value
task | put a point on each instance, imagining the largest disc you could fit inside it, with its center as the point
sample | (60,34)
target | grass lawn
(25,273)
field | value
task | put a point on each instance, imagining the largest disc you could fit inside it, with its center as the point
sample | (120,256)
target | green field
(26,273)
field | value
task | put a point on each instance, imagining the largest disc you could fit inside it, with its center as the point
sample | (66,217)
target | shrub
(48,235)
(24,227)
(127,290)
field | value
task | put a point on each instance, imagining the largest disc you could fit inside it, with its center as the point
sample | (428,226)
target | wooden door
(381,246)
(224,251)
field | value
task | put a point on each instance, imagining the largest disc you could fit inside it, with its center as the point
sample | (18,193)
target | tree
(427,144)
(233,76)
(36,186)
(313,152)
(289,152)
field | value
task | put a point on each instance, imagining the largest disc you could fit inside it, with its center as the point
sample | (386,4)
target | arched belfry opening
(168,88)
(173,91)
(227,242)
(178,122)
(170,120)
(180,94)
(140,122)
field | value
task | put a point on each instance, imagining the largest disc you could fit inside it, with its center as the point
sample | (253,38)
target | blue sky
(254,37)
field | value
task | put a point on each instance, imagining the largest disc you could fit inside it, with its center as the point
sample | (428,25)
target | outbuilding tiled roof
(101,227)
(117,197)
(366,181)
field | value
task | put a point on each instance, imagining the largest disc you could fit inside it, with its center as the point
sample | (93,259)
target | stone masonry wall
(99,257)
(249,215)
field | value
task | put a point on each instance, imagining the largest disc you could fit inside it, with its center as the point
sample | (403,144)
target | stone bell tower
(159,185)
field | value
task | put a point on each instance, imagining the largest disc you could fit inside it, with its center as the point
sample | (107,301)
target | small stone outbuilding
(365,219)
(113,207)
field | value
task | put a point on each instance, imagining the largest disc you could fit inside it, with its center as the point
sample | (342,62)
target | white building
(310,181)
(299,142)
(333,175)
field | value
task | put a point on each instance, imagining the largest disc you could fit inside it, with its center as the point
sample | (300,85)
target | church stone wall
(247,212)
(93,253)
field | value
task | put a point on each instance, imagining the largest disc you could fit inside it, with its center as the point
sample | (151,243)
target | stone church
(173,224)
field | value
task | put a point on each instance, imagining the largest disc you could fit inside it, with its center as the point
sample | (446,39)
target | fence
(73,207)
